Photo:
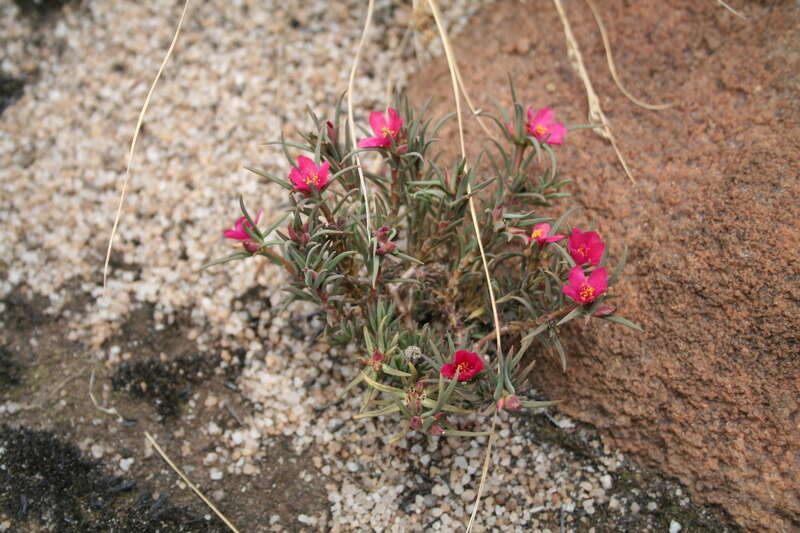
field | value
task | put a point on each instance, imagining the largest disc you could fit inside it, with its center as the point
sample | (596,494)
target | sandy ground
(231,384)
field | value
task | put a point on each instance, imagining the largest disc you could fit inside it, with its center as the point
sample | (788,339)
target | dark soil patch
(45,481)
(10,90)
(631,484)
(10,370)
(166,384)
(42,8)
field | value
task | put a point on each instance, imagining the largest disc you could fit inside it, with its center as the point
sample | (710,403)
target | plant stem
(275,257)
(519,326)
(327,212)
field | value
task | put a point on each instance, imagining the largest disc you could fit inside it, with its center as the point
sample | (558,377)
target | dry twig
(189,483)
(133,142)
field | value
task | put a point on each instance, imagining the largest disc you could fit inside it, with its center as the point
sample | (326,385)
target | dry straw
(596,114)
(188,482)
(135,137)
(451,63)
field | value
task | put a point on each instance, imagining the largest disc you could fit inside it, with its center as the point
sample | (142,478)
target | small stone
(674,526)
(635,508)
(97,451)
(125,464)
(652,506)
(211,401)
(606,481)
(215,474)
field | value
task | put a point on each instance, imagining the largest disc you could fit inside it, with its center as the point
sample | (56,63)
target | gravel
(241,74)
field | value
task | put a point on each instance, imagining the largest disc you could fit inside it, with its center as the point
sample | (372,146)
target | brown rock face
(710,392)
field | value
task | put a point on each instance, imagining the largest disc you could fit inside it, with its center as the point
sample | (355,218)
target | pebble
(97,451)
(215,474)
(674,526)
(125,464)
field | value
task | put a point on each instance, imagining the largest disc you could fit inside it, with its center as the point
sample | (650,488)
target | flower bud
(382,233)
(436,429)
(415,423)
(604,310)
(332,134)
(251,246)
(385,248)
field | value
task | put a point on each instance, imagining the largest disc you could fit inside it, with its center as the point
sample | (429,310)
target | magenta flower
(465,366)
(307,177)
(238,233)
(386,128)
(541,234)
(585,247)
(542,126)
(584,290)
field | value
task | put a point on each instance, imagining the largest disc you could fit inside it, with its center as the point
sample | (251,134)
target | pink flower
(585,247)
(541,234)
(541,126)
(465,366)
(386,129)
(238,233)
(307,177)
(415,422)
(584,290)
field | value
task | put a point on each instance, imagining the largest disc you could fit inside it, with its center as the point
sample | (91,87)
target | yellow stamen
(537,233)
(388,132)
(312,179)
(586,293)
(540,130)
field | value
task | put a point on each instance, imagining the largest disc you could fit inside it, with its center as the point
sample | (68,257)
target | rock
(708,393)
(674,527)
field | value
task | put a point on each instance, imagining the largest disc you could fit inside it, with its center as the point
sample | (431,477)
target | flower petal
(572,292)
(235,234)
(598,280)
(557,132)
(377,121)
(394,122)
(322,171)
(448,370)
(374,142)
(306,165)
(576,276)
(544,116)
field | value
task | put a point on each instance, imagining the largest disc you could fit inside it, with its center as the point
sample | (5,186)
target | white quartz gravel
(240,74)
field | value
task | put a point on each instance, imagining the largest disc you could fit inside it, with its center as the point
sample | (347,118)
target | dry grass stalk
(189,483)
(350,120)
(596,114)
(135,137)
(451,63)
(610,59)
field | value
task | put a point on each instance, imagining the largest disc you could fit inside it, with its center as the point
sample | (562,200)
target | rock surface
(709,392)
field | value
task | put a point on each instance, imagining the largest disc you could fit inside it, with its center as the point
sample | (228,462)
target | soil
(708,393)
(61,456)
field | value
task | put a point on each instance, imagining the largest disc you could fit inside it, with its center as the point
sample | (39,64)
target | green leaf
(459,433)
(578,311)
(249,219)
(381,387)
(623,321)
(232,257)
